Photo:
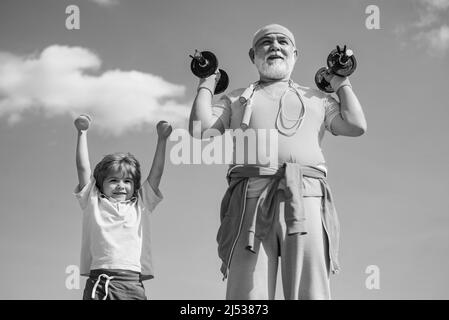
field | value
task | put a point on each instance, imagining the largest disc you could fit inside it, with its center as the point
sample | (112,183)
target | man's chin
(274,75)
(274,72)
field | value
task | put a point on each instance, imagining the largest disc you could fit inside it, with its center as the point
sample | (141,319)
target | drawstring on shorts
(94,289)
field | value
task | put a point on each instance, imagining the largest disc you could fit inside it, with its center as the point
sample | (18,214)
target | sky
(128,66)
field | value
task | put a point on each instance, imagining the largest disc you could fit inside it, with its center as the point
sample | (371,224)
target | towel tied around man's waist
(285,184)
(289,179)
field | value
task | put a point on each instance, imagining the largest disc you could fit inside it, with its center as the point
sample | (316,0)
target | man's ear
(251,54)
(296,54)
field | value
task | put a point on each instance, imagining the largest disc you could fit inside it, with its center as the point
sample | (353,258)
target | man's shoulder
(307,92)
(234,94)
(310,92)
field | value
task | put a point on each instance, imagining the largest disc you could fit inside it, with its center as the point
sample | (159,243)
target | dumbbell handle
(199,57)
(346,56)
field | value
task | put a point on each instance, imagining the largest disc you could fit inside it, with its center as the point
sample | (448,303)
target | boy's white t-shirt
(116,235)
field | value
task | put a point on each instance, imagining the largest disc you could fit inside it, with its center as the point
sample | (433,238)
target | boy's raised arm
(82,153)
(157,168)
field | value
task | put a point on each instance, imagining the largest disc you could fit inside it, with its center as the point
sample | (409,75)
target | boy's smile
(118,186)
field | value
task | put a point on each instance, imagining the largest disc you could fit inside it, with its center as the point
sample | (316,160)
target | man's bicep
(217,125)
(340,127)
(333,119)
(221,114)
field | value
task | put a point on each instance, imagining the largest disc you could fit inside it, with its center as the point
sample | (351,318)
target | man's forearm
(351,110)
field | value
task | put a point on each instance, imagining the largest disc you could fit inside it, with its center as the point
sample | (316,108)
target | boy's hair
(118,162)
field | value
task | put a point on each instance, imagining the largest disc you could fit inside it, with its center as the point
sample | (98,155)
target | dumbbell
(204,64)
(340,62)
(82,122)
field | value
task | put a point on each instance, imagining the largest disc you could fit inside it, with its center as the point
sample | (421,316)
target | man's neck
(274,88)
(274,83)
(278,82)
(269,81)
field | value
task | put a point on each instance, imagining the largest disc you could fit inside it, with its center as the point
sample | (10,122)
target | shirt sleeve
(332,109)
(148,197)
(222,110)
(86,193)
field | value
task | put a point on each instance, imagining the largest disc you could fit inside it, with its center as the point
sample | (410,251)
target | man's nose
(275,46)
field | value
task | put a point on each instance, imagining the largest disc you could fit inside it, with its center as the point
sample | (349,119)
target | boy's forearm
(157,167)
(82,156)
(82,153)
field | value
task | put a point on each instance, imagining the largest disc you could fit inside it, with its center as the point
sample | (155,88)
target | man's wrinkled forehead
(273,29)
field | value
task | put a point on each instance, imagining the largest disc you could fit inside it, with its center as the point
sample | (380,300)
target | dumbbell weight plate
(342,70)
(321,82)
(223,82)
(208,68)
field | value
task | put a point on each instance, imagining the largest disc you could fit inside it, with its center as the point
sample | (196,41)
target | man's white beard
(280,69)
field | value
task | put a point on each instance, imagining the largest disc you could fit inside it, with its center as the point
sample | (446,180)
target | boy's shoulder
(90,185)
(146,192)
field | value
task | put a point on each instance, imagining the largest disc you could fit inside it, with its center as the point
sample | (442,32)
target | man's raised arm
(352,122)
(202,106)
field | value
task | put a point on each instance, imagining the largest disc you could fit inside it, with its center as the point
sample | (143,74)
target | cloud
(436,4)
(431,12)
(62,80)
(429,30)
(436,40)
(106,3)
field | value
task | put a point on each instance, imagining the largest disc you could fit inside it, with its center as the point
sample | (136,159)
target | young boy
(116,245)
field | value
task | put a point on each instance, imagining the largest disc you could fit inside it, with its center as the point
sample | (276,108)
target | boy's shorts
(104,284)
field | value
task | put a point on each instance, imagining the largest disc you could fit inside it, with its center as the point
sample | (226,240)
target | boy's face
(118,186)
(275,57)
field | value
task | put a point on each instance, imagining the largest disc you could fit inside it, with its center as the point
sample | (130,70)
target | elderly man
(285,209)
